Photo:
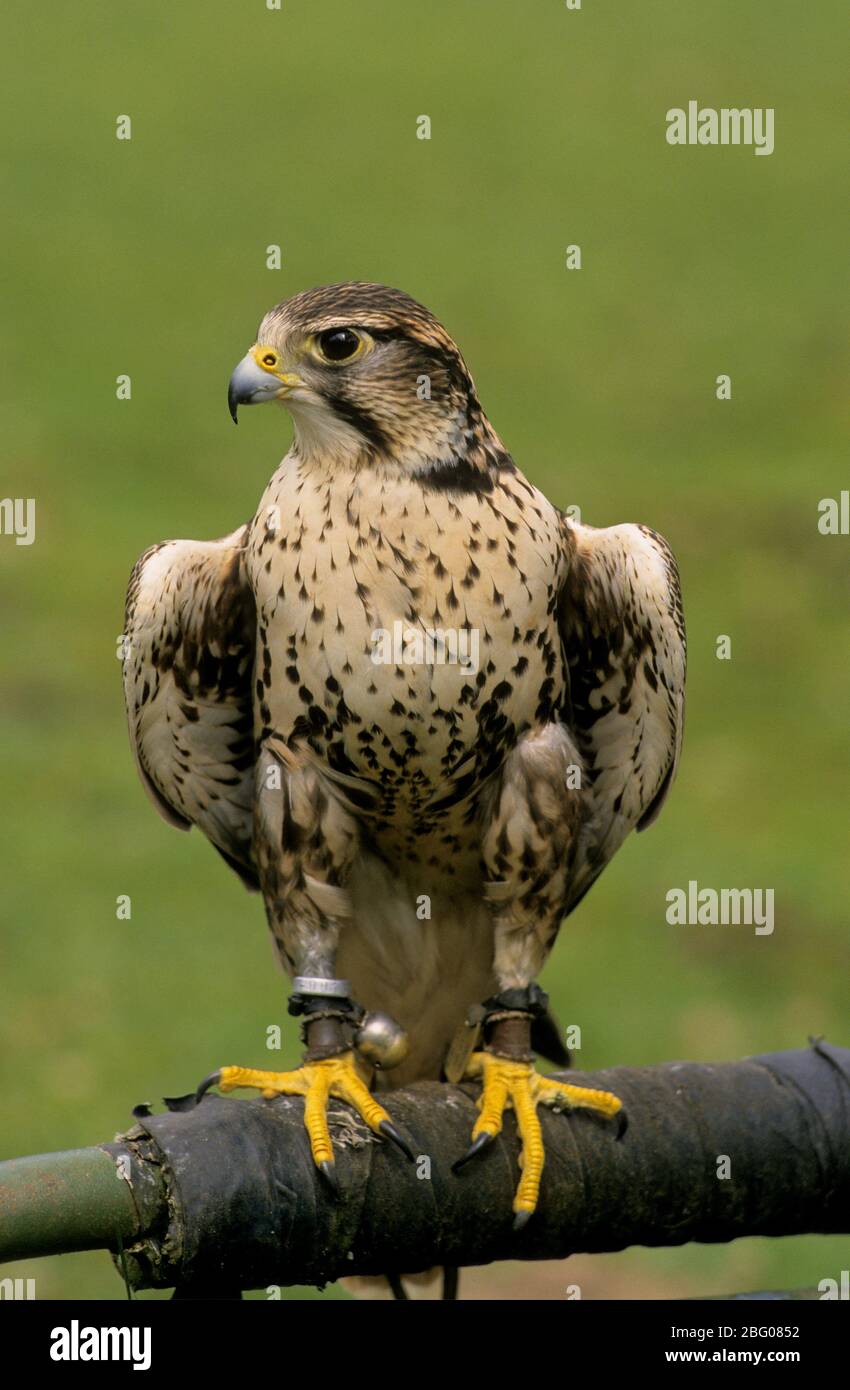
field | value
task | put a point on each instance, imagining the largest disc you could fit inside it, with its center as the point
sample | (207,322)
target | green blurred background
(298,127)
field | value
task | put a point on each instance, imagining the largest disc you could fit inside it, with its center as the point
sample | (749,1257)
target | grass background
(147,257)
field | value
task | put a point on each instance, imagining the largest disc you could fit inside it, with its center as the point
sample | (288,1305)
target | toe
(494,1098)
(346,1085)
(316,1121)
(532,1152)
(569,1097)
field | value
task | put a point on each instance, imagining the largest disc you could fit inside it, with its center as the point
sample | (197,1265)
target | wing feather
(623,631)
(190,632)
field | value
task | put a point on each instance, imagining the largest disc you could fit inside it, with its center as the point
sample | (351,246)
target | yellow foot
(516,1084)
(317,1082)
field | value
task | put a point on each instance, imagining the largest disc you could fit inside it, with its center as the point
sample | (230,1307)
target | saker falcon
(350,790)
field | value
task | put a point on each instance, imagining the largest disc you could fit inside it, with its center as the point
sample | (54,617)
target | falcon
(418,828)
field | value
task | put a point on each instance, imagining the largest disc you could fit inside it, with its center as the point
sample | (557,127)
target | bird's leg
(530,825)
(330,1068)
(505,1067)
(305,843)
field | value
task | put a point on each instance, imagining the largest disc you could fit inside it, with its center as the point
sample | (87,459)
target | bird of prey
(417,821)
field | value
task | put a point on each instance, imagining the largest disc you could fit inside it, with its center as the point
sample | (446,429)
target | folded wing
(190,632)
(624,638)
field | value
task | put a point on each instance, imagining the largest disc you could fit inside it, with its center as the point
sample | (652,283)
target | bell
(381,1041)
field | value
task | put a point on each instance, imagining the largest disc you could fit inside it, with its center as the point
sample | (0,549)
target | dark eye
(338,344)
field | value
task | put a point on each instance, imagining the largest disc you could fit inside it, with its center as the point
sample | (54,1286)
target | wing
(623,632)
(190,632)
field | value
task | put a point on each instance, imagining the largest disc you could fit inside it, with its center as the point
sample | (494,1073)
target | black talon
(390,1132)
(178,1104)
(208,1082)
(328,1172)
(622,1123)
(475,1148)
(521,1219)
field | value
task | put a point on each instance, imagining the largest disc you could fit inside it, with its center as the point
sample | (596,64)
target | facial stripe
(360,420)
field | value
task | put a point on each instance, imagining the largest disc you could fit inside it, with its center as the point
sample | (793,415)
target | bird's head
(368,375)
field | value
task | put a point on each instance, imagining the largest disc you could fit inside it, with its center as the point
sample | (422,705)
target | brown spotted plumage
(420,829)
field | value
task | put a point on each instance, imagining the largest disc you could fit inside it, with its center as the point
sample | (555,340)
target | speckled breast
(408,635)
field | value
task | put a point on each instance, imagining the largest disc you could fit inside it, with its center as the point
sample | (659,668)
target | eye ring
(339,344)
(269,359)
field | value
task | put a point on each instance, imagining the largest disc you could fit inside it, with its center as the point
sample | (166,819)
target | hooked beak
(251,384)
